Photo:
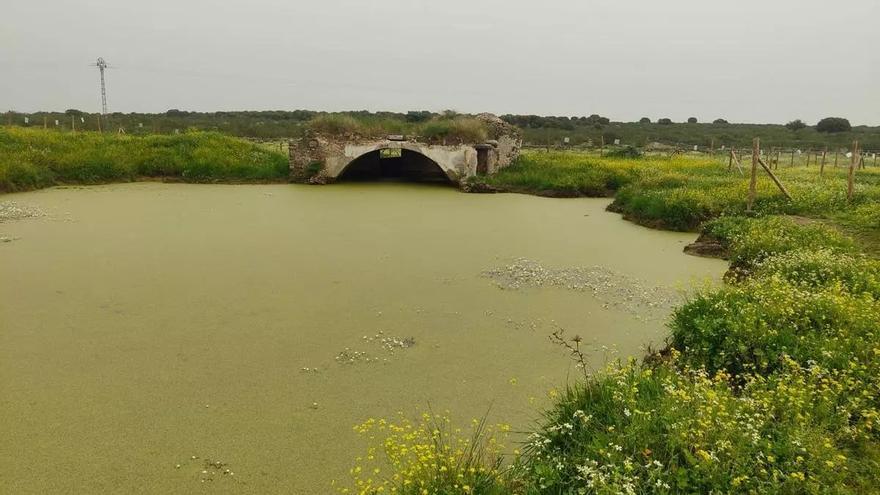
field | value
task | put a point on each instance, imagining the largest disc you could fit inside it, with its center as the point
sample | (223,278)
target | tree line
(538,130)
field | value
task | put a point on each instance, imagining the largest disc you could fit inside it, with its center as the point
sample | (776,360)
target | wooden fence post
(792,158)
(822,167)
(753,182)
(737,162)
(775,179)
(850,181)
(602,148)
(836,154)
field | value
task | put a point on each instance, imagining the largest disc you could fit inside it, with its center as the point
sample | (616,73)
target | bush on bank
(35,158)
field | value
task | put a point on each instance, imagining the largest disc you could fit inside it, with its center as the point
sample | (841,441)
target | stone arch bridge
(321,159)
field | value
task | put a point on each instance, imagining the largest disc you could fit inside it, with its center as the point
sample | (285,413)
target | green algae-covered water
(142,325)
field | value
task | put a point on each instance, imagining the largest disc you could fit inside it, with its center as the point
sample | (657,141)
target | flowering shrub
(430,456)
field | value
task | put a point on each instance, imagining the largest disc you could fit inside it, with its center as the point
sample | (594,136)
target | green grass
(670,428)
(31,159)
(750,243)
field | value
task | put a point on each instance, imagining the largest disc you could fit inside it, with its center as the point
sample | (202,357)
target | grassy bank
(680,193)
(768,384)
(33,158)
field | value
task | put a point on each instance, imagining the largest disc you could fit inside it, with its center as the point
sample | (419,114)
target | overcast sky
(744,60)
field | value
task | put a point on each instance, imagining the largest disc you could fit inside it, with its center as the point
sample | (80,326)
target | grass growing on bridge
(34,158)
(452,129)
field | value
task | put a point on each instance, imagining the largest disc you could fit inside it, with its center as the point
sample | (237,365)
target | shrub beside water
(430,455)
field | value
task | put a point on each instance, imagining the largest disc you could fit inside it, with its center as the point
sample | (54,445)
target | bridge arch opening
(393,164)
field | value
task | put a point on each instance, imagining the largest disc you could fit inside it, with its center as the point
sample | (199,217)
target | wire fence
(831,156)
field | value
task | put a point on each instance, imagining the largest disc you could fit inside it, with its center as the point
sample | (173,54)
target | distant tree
(692,120)
(795,125)
(597,119)
(176,113)
(720,121)
(664,121)
(644,120)
(418,115)
(833,124)
(74,112)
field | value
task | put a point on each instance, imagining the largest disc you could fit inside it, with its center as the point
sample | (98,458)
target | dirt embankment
(707,246)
